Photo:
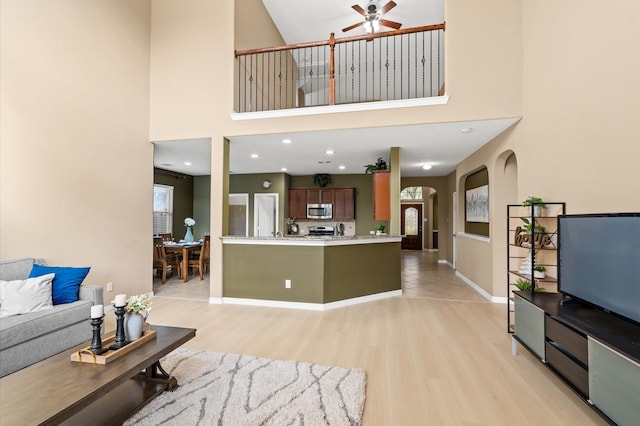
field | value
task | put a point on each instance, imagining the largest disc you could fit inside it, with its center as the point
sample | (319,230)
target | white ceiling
(301,21)
(442,145)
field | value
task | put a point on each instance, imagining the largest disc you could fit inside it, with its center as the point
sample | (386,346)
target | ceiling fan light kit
(373,17)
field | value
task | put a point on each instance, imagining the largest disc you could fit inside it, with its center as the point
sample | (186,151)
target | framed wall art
(477,204)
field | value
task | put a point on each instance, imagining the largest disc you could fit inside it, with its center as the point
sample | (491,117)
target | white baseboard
(308,306)
(483,292)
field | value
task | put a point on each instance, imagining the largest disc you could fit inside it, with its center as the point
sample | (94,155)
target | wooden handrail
(332,43)
(340,40)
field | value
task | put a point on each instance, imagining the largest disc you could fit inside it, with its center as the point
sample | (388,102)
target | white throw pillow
(24,296)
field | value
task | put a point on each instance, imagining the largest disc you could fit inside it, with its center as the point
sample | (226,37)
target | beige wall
(86,85)
(579,140)
(76,165)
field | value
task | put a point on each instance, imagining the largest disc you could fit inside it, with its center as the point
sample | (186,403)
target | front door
(411,226)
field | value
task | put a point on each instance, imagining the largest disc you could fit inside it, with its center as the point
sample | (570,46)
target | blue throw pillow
(66,283)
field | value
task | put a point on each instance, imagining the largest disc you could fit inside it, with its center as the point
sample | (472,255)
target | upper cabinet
(320,195)
(381,197)
(343,200)
(298,203)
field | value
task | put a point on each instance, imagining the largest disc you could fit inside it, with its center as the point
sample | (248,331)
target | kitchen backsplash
(349,225)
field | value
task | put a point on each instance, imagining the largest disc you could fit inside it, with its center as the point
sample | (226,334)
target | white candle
(97,311)
(120,300)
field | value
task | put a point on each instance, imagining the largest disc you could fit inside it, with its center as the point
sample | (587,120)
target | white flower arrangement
(189,222)
(139,304)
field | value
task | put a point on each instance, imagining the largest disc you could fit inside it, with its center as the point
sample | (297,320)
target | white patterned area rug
(231,389)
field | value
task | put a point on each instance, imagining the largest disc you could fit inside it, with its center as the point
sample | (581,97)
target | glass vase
(188,237)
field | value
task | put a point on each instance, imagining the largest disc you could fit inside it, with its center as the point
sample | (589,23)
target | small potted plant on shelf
(379,229)
(525,285)
(536,203)
(379,165)
(529,228)
(539,271)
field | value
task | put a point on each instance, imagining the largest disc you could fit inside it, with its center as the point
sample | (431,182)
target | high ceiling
(441,145)
(301,21)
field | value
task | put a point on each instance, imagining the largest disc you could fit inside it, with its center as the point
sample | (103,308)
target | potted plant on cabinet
(379,229)
(380,164)
(321,179)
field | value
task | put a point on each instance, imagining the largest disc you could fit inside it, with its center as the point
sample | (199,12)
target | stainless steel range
(321,231)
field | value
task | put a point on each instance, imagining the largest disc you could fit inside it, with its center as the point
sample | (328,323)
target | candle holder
(96,341)
(120,340)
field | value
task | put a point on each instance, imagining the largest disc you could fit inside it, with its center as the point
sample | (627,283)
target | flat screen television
(599,261)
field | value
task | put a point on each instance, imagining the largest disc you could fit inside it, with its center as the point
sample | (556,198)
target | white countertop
(313,241)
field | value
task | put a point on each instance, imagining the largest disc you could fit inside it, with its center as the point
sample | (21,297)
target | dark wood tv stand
(594,352)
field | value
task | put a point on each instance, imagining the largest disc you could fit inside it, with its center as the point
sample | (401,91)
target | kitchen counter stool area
(316,273)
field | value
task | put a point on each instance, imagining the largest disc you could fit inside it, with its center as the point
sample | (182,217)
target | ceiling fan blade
(350,27)
(359,9)
(390,24)
(387,7)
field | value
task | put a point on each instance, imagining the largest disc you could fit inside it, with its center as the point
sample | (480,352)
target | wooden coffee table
(58,390)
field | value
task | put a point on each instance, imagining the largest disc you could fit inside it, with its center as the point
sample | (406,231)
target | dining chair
(166,236)
(162,261)
(206,245)
(201,262)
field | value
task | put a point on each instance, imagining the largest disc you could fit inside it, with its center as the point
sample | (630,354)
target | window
(162,209)
(411,193)
(411,221)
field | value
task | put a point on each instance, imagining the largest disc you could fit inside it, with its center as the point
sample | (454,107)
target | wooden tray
(85,355)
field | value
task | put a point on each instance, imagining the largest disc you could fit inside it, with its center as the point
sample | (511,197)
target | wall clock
(266,184)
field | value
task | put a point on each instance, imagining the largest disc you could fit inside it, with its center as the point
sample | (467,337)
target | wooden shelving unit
(528,250)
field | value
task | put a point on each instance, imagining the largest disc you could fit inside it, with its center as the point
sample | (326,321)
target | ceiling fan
(373,17)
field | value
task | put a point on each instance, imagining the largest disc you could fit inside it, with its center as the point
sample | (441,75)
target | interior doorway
(454,226)
(265,215)
(239,215)
(411,220)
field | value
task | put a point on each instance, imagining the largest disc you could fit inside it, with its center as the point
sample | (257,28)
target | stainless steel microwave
(319,211)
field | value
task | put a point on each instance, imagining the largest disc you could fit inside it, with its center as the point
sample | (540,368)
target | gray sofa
(29,338)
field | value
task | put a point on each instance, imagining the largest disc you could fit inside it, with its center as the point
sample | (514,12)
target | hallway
(424,277)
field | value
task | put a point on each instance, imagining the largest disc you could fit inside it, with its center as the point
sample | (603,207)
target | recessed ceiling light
(466,130)
(329,152)
(341,167)
(187,163)
(427,166)
(254,155)
(286,141)
(284,169)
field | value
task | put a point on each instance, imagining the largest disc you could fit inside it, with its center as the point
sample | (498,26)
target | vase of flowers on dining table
(189,223)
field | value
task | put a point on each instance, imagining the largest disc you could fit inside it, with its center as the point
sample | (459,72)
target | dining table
(184,248)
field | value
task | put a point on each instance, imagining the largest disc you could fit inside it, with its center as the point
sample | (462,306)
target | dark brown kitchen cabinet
(298,203)
(343,200)
(344,203)
(320,196)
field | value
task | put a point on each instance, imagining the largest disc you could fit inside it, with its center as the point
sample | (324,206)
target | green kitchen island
(315,273)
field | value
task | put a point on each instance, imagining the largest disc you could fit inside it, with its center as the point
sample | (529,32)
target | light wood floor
(438,355)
